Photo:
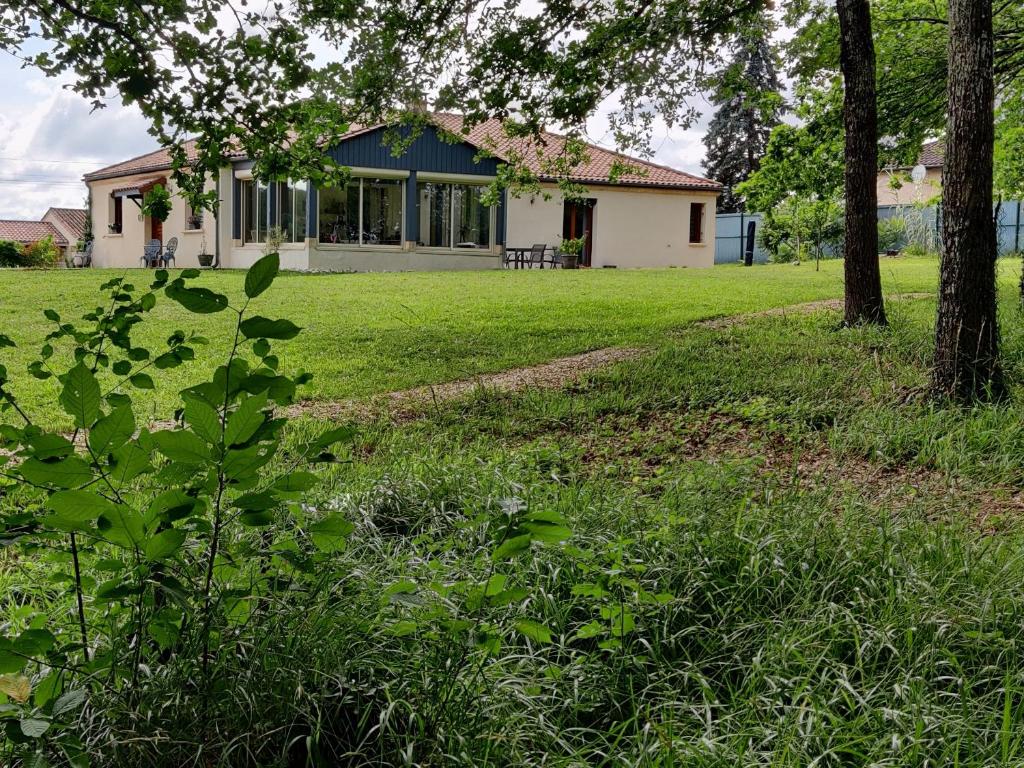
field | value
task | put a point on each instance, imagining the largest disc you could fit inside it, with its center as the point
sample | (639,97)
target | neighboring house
(70,222)
(419,211)
(895,186)
(65,225)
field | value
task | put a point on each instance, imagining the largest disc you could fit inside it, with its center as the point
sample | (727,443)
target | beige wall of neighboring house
(125,249)
(632,226)
(70,235)
(908,192)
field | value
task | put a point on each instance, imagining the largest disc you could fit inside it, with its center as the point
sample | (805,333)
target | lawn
(371,333)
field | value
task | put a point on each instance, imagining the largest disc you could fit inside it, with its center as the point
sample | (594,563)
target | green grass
(821,566)
(371,333)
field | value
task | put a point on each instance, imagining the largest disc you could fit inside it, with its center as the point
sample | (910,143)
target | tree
(749,104)
(804,160)
(864,302)
(967,335)
(245,77)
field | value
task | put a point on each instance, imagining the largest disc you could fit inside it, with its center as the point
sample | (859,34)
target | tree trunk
(864,302)
(966,335)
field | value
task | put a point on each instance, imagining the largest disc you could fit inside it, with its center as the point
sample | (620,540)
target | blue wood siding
(412,211)
(428,153)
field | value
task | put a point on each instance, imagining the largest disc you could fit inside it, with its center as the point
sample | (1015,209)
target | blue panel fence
(923,225)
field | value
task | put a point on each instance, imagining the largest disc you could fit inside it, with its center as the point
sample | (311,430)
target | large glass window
(293,211)
(382,212)
(453,215)
(255,211)
(435,214)
(338,214)
(472,219)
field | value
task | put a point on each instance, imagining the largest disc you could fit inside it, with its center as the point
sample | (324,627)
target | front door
(578,221)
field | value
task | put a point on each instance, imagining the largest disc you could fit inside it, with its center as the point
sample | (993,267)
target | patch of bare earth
(642,447)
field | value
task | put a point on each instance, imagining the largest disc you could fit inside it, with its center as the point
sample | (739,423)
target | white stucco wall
(125,249)
(633,227)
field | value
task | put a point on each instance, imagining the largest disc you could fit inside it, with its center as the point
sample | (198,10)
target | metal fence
(731,237)
(922,225)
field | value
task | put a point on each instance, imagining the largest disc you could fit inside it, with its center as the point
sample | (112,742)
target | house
(423,210)
(895,186)
(65,225)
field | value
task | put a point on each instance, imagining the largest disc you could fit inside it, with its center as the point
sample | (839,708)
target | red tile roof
(932,154)
(596,169)
(160,160)
(73,219)
(30,232)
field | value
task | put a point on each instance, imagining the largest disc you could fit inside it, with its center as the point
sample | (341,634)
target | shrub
(804,229)
(10,254)
(42,253)
(892,234)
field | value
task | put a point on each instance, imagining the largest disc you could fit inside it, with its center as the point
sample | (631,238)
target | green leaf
(402,628)
(511,547)
(112,431)
(173,505)
(122,525)
(10,663)
(202,301)
(164,544)
(547,526)
(50,446)
(533,630)
(330,533)
(261,275)
(34,642)
(243,423)
(33,727)
(203,418)
(179,445)
(80,397)
(296,481)
(66,473)
(265,328)
(122,367)
(69,702)
(142,381)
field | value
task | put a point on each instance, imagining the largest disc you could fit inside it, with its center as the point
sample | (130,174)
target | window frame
(260,204)
(360,208)
(298,237)
(701,228)
(492,221)
(115,224)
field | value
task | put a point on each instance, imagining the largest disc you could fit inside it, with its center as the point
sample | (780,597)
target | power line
(39,160)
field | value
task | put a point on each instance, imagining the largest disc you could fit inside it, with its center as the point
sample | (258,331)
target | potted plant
(571,248)
(205,259)
(195,221)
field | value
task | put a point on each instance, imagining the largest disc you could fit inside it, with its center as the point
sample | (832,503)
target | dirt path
(551,375)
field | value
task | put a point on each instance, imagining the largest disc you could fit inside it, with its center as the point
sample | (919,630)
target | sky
(50,136)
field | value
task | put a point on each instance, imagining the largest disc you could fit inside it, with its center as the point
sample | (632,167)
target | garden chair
(168,258)
(556,258)
(87,255)
(151,254)
(537,255)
